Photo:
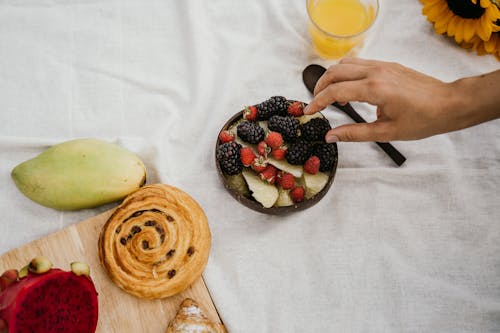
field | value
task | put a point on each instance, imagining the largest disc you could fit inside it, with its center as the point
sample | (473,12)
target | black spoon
(311,75)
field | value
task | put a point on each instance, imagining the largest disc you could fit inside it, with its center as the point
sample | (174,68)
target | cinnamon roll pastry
(156,243)
(190,318)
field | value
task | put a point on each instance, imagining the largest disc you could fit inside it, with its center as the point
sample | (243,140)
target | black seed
(190,251)
(145,244)
(123,241)
(118,229)
(150,223)
(135,230)
(170,218)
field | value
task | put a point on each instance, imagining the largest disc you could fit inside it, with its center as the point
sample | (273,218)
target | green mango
(81,173)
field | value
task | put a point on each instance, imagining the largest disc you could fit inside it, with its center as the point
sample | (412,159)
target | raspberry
(259,164)
(250,132)
(228,155)
(274,139)
(247,156)
(286,181)
(297,194)
(298,152)
(263,149)
(250,113)
(287,126)
(278,153)
(312,165)
(315,129)
(269,174)
(276,105)
(226,136)
(327,155)
(296,109)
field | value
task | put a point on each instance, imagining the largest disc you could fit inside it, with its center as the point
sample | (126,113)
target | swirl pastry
(156,243)
(190,318)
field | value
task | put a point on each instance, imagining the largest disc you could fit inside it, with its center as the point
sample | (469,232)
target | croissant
(191,319)
(156,243)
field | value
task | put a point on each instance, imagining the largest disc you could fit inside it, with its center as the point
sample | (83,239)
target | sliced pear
(284,198)
(295,170)
(238,183)
(314,183)
(262,191)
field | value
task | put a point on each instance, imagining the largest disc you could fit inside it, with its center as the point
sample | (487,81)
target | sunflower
(463,19)
(483,47)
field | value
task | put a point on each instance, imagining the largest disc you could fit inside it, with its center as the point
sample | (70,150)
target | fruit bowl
(257,173)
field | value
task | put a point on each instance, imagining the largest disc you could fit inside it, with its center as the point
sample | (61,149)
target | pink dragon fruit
(42,299)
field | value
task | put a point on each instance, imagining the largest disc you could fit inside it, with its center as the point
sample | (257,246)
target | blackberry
(228,155)
(326,153)
(315,129)
(250,132)
(298,152)
(274,106)
(287,126)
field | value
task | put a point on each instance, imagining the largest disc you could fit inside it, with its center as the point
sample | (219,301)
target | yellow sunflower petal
(452,26)
(435,12)
(469,29)
(459,32)
(483,29)
(484,3)
(489,46)
(441,26)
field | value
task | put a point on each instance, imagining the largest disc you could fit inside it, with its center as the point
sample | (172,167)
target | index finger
(338,73)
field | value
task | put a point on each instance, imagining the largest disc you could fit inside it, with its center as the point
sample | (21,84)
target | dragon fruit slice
(55,301)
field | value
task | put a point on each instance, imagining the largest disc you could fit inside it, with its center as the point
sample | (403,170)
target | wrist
(474,100)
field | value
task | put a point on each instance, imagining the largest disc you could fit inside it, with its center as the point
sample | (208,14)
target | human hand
(410,105)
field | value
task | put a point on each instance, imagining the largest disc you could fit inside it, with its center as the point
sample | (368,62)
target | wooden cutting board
(118,311)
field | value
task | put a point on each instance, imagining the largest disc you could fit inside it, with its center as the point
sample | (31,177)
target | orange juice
(337,26)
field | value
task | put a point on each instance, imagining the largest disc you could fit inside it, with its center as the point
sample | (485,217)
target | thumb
(375,131)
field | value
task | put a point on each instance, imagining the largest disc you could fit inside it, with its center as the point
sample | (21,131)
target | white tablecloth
(409,249)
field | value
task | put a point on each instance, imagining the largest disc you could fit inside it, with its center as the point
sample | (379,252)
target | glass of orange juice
(338,27)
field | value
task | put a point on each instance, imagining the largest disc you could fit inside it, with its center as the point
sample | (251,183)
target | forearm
(477,99)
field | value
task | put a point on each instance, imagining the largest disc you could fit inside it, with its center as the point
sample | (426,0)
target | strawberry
(263,149)
(312,165)
(297,194)
(259,164)
(269,174)
(226,136)
(296,109)
(250,113)
(279,153)
(286,180)
(247,156)
(274,140)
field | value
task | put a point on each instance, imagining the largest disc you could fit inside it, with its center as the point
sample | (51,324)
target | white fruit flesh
(284,199)
(262,191)
(295,170)
(314,183)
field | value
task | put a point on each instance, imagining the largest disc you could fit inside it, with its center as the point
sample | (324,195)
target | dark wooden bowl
(255,205)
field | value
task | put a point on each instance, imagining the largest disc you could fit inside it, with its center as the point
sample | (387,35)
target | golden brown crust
(156,243)
(190,318)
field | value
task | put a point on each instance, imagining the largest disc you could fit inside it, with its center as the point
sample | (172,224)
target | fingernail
(306,110)
(331,138)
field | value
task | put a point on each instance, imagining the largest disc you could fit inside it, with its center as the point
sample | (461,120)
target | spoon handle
(389,149)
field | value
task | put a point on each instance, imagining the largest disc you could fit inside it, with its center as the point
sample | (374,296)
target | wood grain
(118,311)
